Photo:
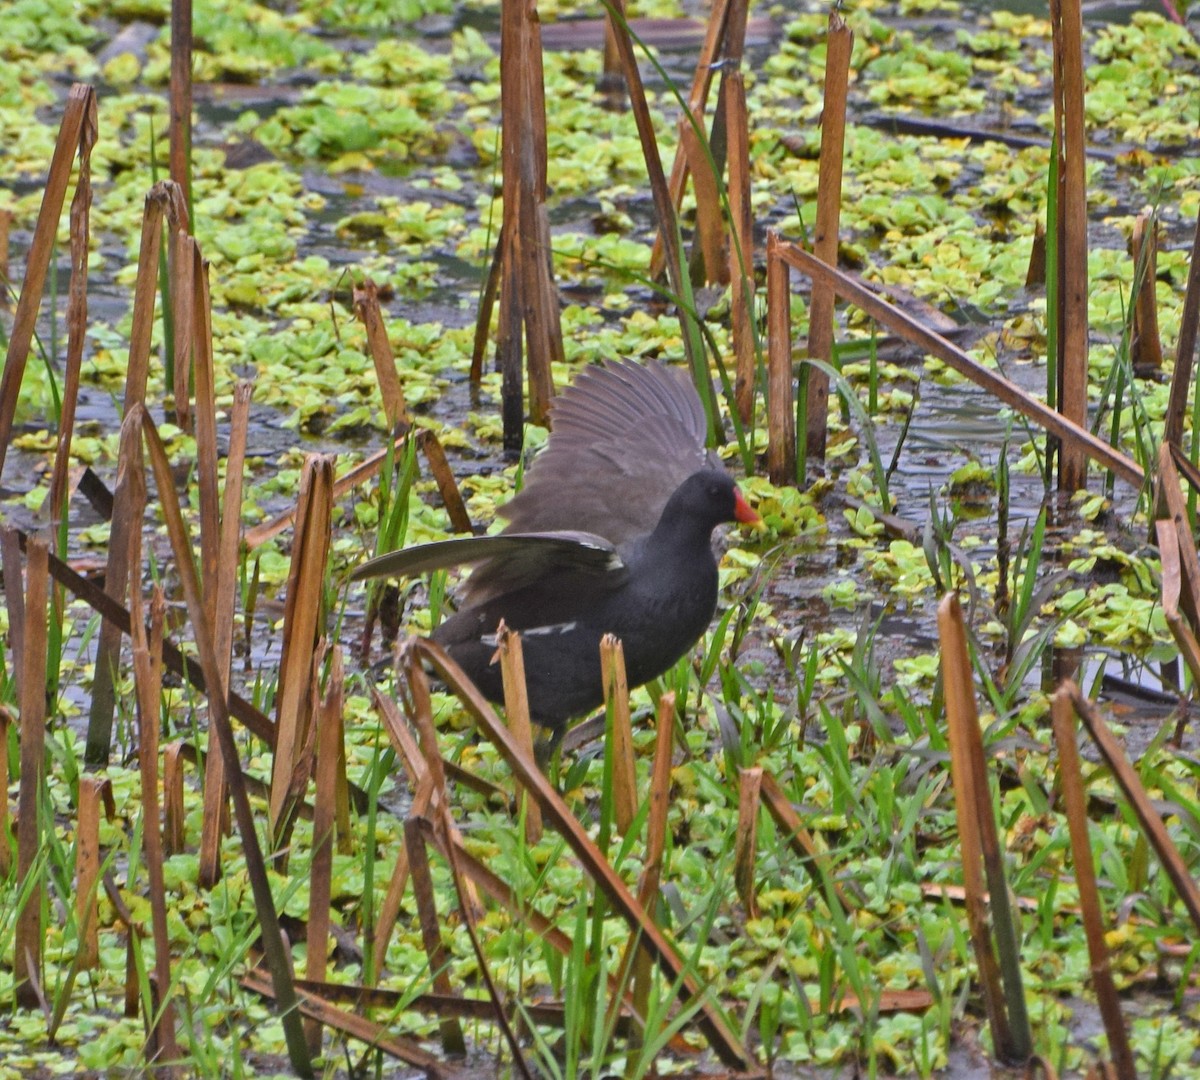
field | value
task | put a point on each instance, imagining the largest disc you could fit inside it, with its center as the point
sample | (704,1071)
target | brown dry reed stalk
(1074,797)
(999,970)
(78,126)
(6,721)
(741,243)
(656,843)
(668,224)
(366,307)
(77,313)
(851,288)
(147,670)
(815,383)
(303,612)
(314,1006)
(1169,506)
(94,792)
(27,939)
(1145,346)
(329,751)
(6,220)
(164,200)
(1127,779)
(181,96)
(528,298)
(1066,20)
(812,858)
(1171,573)
(272,938)
(1185,352)
(439,467)
(616,698)
(444,828)
(214,821)
(710,226)
(682,165)
(516,712)
(745,848)
(781,418)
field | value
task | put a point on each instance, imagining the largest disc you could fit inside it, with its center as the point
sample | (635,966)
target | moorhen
(612,533)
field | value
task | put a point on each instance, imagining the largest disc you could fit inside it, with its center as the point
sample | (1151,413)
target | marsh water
(931,429)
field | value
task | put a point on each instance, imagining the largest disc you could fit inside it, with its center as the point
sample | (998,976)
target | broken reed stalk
(710,228)
(329,749)
(302,622)
(745,848)
(1075,808)
(147,653)
(6,220)
(315,1007)
(516,711)
(1185,356)
(664,208)
(781,420)
(905,326)
(445,829)
(389,910)
(814,382)
(697,99)
(422,786)
(92,791)
(181,269)
(1126,776)
(27,938)
(366,307)
(616,701)
(164,200)
(181,96)
(147,668)
(214,821)
(1001,983)
(79,116)
(174,825)
(1169,505)
(1171,573)
(656,843)
(1145,346)
(272,936)
(1035,275)
(1066,20)
(741,243)
(6,720)
(205,424)
(443,476)
(528,299)
(77,313)
(721,1037)
(431,933)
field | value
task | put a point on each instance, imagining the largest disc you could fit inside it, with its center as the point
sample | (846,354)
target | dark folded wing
(625,436)
(509,560)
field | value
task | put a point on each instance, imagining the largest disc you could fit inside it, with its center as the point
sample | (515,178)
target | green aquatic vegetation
(370,14)
(916,73)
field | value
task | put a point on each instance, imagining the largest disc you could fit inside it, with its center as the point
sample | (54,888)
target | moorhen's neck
(699,505)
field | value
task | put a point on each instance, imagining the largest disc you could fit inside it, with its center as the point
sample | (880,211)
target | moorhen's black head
(706,499)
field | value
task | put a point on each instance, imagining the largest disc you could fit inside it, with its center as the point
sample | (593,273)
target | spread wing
(512,560)
(625,436)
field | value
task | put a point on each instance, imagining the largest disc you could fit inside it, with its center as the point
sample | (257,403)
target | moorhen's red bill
(612,533)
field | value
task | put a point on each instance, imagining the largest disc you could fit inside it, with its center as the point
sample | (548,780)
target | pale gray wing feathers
(625,436)
(518,557)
